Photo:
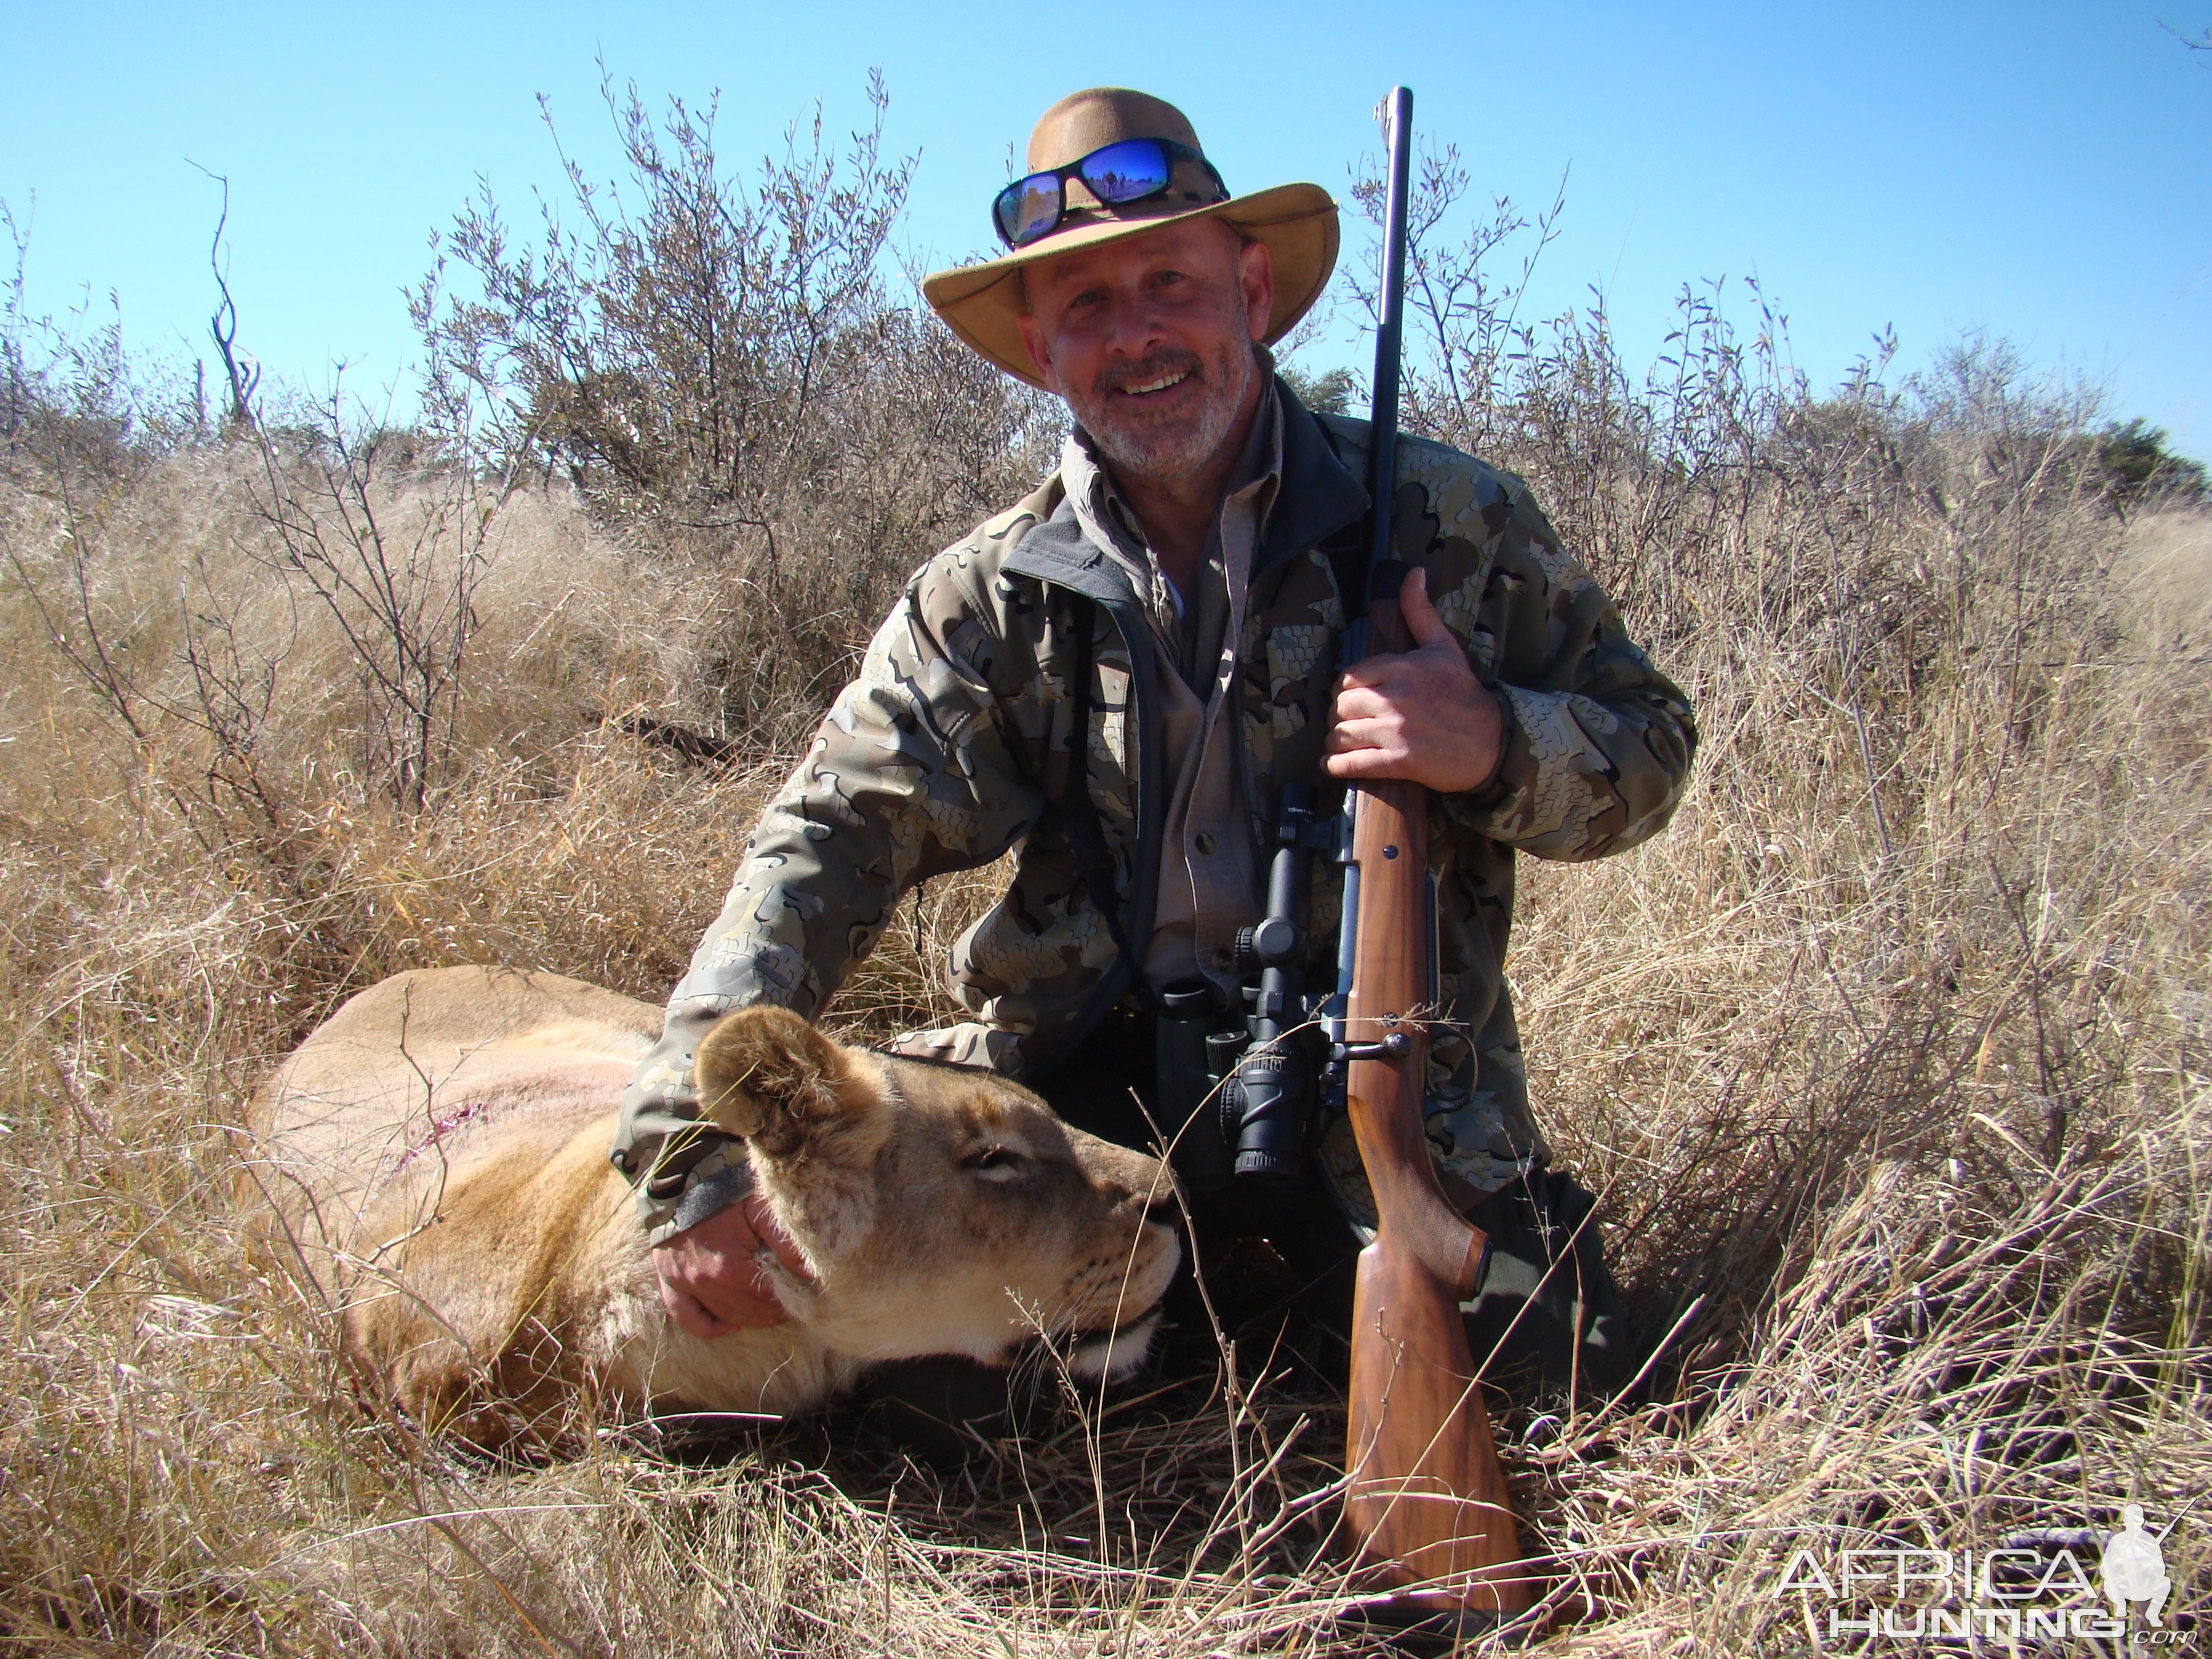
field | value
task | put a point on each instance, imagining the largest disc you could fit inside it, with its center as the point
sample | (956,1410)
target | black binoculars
(1237,1085)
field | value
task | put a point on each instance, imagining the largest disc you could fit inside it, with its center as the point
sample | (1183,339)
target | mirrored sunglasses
(1127,170)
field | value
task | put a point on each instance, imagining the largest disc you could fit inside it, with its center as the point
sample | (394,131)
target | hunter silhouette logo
(2037,1587)
(2134,1567)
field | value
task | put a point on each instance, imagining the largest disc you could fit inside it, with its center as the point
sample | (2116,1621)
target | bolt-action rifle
(1426,1503)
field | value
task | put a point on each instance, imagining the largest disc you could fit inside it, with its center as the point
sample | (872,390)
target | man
(1115,680)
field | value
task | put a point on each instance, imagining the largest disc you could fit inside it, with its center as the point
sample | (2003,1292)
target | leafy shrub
(723,370)
(2141,472)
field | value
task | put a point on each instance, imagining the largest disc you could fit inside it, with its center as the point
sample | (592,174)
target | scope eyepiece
(1273,1085)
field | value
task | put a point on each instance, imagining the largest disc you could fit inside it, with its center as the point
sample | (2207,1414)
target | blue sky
(2036,170)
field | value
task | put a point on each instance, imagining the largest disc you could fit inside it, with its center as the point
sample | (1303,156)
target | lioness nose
(1124,1177)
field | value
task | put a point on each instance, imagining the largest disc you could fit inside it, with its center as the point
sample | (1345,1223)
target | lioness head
(941,1210)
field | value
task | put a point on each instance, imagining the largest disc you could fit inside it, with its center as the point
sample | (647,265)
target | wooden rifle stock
(1426,1503)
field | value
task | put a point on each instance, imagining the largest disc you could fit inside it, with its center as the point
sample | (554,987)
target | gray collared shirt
(1210,874)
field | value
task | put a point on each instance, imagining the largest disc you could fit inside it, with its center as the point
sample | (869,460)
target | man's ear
(767,1075)
(1255,275)
(1033,337)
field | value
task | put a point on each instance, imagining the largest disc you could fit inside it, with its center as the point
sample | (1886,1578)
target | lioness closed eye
(436,1154)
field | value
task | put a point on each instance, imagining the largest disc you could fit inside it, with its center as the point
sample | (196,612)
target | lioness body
(436,1153)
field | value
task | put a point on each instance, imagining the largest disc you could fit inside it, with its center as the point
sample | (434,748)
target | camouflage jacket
(951,747)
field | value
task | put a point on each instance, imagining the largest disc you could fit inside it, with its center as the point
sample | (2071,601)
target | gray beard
(1175,451)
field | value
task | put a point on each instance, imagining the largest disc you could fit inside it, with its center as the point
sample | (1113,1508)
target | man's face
(1150,341)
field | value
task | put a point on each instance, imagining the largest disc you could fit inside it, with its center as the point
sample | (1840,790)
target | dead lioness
(436,1152)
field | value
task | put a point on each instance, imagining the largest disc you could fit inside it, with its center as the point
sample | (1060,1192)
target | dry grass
(1890,1057)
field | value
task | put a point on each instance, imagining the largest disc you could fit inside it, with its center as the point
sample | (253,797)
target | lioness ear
(766,1074)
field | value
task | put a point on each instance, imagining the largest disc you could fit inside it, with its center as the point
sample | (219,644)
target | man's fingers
(1372,674)
(1367,763)
(734,1305)
(718,1276)
(1360,703)
(1381,683)
(692,1314)
(1380,732)
(1421,619)
(1402,675)
(747,1309)
(1419,715)
(707,1324)
(770,1232)
(1388,744)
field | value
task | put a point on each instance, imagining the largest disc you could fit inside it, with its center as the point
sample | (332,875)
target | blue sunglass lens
(1119,173)
(1028,208)
(1126,172)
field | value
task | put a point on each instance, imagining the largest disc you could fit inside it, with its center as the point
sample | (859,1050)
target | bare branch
(239,369)
(2194,43)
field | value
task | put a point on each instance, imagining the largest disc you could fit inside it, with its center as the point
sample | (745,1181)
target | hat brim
(982,303)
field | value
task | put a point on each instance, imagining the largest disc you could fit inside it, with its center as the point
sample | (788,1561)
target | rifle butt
(1427,1504)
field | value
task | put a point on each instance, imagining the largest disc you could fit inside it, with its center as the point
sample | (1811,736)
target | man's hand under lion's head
(712,1276)
(1421,715)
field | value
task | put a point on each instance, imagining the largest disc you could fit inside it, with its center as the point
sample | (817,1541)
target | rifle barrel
(1389,335)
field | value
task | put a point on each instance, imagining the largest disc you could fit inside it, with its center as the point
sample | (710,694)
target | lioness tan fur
(436,1153)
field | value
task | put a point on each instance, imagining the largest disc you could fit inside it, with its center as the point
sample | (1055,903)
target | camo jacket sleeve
(909,776)
(1598,743)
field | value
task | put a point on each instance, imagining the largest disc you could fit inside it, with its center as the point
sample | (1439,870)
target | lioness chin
(436,1159)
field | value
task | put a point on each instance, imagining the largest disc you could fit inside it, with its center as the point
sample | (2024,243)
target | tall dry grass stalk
(1889,1057)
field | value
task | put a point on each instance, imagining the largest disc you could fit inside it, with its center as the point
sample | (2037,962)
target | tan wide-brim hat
(981,303)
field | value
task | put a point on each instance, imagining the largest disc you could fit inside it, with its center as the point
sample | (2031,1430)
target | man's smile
(1165,382)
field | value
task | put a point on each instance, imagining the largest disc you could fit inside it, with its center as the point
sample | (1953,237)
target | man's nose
(1133,330)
